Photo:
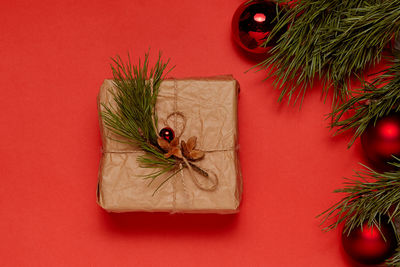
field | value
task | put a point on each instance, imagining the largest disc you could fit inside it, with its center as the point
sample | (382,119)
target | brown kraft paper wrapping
(210,108)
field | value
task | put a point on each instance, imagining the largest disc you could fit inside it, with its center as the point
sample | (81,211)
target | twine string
(190,166)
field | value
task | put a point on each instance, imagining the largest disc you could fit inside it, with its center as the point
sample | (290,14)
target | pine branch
(134,117)
(375,100)
(331,40)
(368,197)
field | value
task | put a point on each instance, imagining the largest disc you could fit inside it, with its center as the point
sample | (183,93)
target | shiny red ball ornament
(252,23)
(367,245)
(167,134)
(382,140)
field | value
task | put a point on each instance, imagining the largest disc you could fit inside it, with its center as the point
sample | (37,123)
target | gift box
(209,109)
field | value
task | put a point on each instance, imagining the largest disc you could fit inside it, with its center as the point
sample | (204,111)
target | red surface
(54,57)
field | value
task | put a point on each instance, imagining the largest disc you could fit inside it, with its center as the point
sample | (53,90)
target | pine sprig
(134,117)
(331,40)
(373,101)
(368,197)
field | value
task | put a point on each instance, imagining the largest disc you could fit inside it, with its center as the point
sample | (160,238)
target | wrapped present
(203,112)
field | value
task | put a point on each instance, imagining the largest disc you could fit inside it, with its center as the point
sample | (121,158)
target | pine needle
(395,260)
(330,40)
(373,101)
(134,117)
(369,196)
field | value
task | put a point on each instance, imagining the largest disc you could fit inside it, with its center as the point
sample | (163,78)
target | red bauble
(367,246)
(167,134)
(252,23)
(382,140)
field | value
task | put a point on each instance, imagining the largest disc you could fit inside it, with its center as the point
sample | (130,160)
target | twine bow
(186,154)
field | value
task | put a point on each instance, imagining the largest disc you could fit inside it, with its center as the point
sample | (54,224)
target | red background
(54,56)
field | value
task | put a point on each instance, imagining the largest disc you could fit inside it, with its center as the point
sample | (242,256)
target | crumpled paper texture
(210,108)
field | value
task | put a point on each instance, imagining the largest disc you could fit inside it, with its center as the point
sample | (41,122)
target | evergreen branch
(368,197)
(375,100)
(331,40)
(134,117)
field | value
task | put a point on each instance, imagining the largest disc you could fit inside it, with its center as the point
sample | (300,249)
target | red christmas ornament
(382,140)
(167,134)
(252,23)
(367,245)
